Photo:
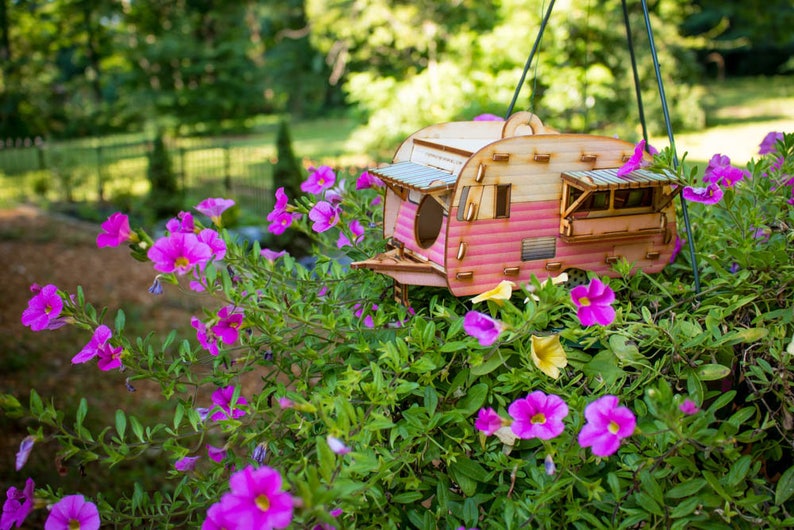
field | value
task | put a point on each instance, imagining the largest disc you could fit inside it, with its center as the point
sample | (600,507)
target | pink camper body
(469,204)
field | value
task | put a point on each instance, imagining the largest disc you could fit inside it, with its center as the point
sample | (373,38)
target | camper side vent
(538,248)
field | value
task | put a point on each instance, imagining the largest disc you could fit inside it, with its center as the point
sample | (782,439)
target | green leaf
(473,399)
(712,372)
(785,486)
(431,400)
(121,320)
(407,497)
(82,410)
(490,364)
(121,423)
(686,489)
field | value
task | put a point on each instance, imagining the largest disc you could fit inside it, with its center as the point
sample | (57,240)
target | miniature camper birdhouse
(469,204)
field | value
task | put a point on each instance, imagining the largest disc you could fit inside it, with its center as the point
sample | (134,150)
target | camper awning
(415,176)
(608,179)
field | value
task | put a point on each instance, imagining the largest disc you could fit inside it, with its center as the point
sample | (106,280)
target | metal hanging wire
(641,110)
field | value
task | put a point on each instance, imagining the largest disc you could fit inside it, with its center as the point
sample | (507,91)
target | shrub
(308,397)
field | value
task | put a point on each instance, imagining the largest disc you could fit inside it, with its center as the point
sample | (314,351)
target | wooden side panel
(405,233)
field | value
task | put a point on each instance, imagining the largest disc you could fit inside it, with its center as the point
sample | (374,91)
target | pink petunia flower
(320,179)
(212,239)
(214,208)
(607,424)
(280,219)
(368,321)
(18,505)
(688,407)
(179,252)
(482,327)
(216,454)
(25,447)
(488,117)
(116,231)
(324,216)
(255,500)
(488,421)
(720,172)
(109,357)
(538,416)
(769,143)
(679,244)
(73,512)
(218,519)
(368,180)
(636,159)
(223,398)
(711,194)
(43,309)
(183,222)
(205,336)
(187,463)
(272,255)
(337,445)
(356,229)
(229,321)
(593,303)
(102,334)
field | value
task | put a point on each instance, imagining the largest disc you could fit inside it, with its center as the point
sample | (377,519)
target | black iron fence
(110,169)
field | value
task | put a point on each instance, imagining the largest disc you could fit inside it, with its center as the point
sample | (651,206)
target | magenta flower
(17,506)
(187,463)
(337,445)
(721,172)
(488,117)
(711,194)
(229,321)
(356,229)
(488,421)
(368,180)
(538,416)
(285,402)
(217,519)
(109,357)
(216,454)
(25,447)
(99,340)
(635,161)
(593,303)
(482,327)
(255,500)
(212,239)
(179,252)
(205,336)
(679,244)
(183,222)
(324,216)
(368,321)
(272,255)
(320,179)
(43,309)
(607,424)
(214,208)
(769,143)
(73,512)
(280,219)
(223,398)
(116,231)
(688,407)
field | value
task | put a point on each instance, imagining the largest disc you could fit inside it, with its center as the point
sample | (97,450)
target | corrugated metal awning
(416,176)
(608,179)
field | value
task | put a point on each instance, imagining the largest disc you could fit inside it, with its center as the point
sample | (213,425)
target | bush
(309,397)
(165,197)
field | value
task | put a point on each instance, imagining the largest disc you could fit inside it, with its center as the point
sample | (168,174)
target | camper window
(634,198)
(502,206)
(597,200)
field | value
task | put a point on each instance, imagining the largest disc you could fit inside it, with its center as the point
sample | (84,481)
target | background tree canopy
(83,67)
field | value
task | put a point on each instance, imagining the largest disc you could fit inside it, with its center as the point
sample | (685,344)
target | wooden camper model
(469,204)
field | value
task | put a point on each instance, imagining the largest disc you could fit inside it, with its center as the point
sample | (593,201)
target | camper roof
(415,176)
(608,179)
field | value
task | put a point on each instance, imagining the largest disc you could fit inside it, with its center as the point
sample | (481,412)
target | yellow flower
(501,292)
(548,355)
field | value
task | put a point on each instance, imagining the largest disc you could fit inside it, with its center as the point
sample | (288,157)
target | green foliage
(325,353)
